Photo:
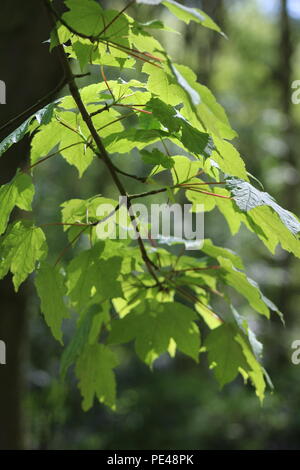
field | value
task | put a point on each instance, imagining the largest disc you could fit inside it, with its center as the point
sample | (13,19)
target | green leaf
(166,114)
(84,334)
(230,352)
(184,169)
(194,140)
(50,286)
(85,16)
(197,142)
(88,18)
(187,14)
(15,136)
(83,210)
(43,116)
(124,142)
(70,135)
(21,248)
(155,328)
(247,197)
(91,279)
(209,113)
(94,370)
(216,251)
(255,371)
(19,192)
(242,284)
(225,355)
(157,158)
(242,323)
(163,85)
(191,92)
(267,225)
(153,24)
(228,159)
(25,189)
(184,13)
(83,53)
(68,143)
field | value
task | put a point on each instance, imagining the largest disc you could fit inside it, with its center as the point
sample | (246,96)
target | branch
(96,39)
(101,149)
(142,179)
(85,226)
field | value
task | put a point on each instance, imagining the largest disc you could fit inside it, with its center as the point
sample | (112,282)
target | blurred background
(178,405)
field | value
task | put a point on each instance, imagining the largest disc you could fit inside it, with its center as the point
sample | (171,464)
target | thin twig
(41,160)
(116,17)
(208,193)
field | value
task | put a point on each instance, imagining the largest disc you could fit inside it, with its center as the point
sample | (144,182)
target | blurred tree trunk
(290,135)
(29,74)
(209,42)
(285,72)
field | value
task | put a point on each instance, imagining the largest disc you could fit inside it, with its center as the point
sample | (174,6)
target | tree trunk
(29,73)
(290,196)
(208,48)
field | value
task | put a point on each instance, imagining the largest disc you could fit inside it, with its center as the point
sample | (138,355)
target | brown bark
(29,73)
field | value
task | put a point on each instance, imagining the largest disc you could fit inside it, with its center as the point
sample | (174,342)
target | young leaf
(22,247)
(157,158)
(193,140)
(15,136)
(240,282)
(19,192)
(255,371)
(184,13)
(225,355)
(247,197)
(82,336)
(187,14)
(215,251)
(91,279)
(94,370)
(155,327)
(85,16)
(43,116)
(50,286)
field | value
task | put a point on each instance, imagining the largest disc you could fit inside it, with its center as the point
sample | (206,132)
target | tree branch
(101,149)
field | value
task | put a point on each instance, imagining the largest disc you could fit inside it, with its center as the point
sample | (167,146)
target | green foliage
(19,192)
(92,279)
(51,290)
(247,197)
(158,328)
(43,116)
(96,377)
(133,290)
(21,247)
